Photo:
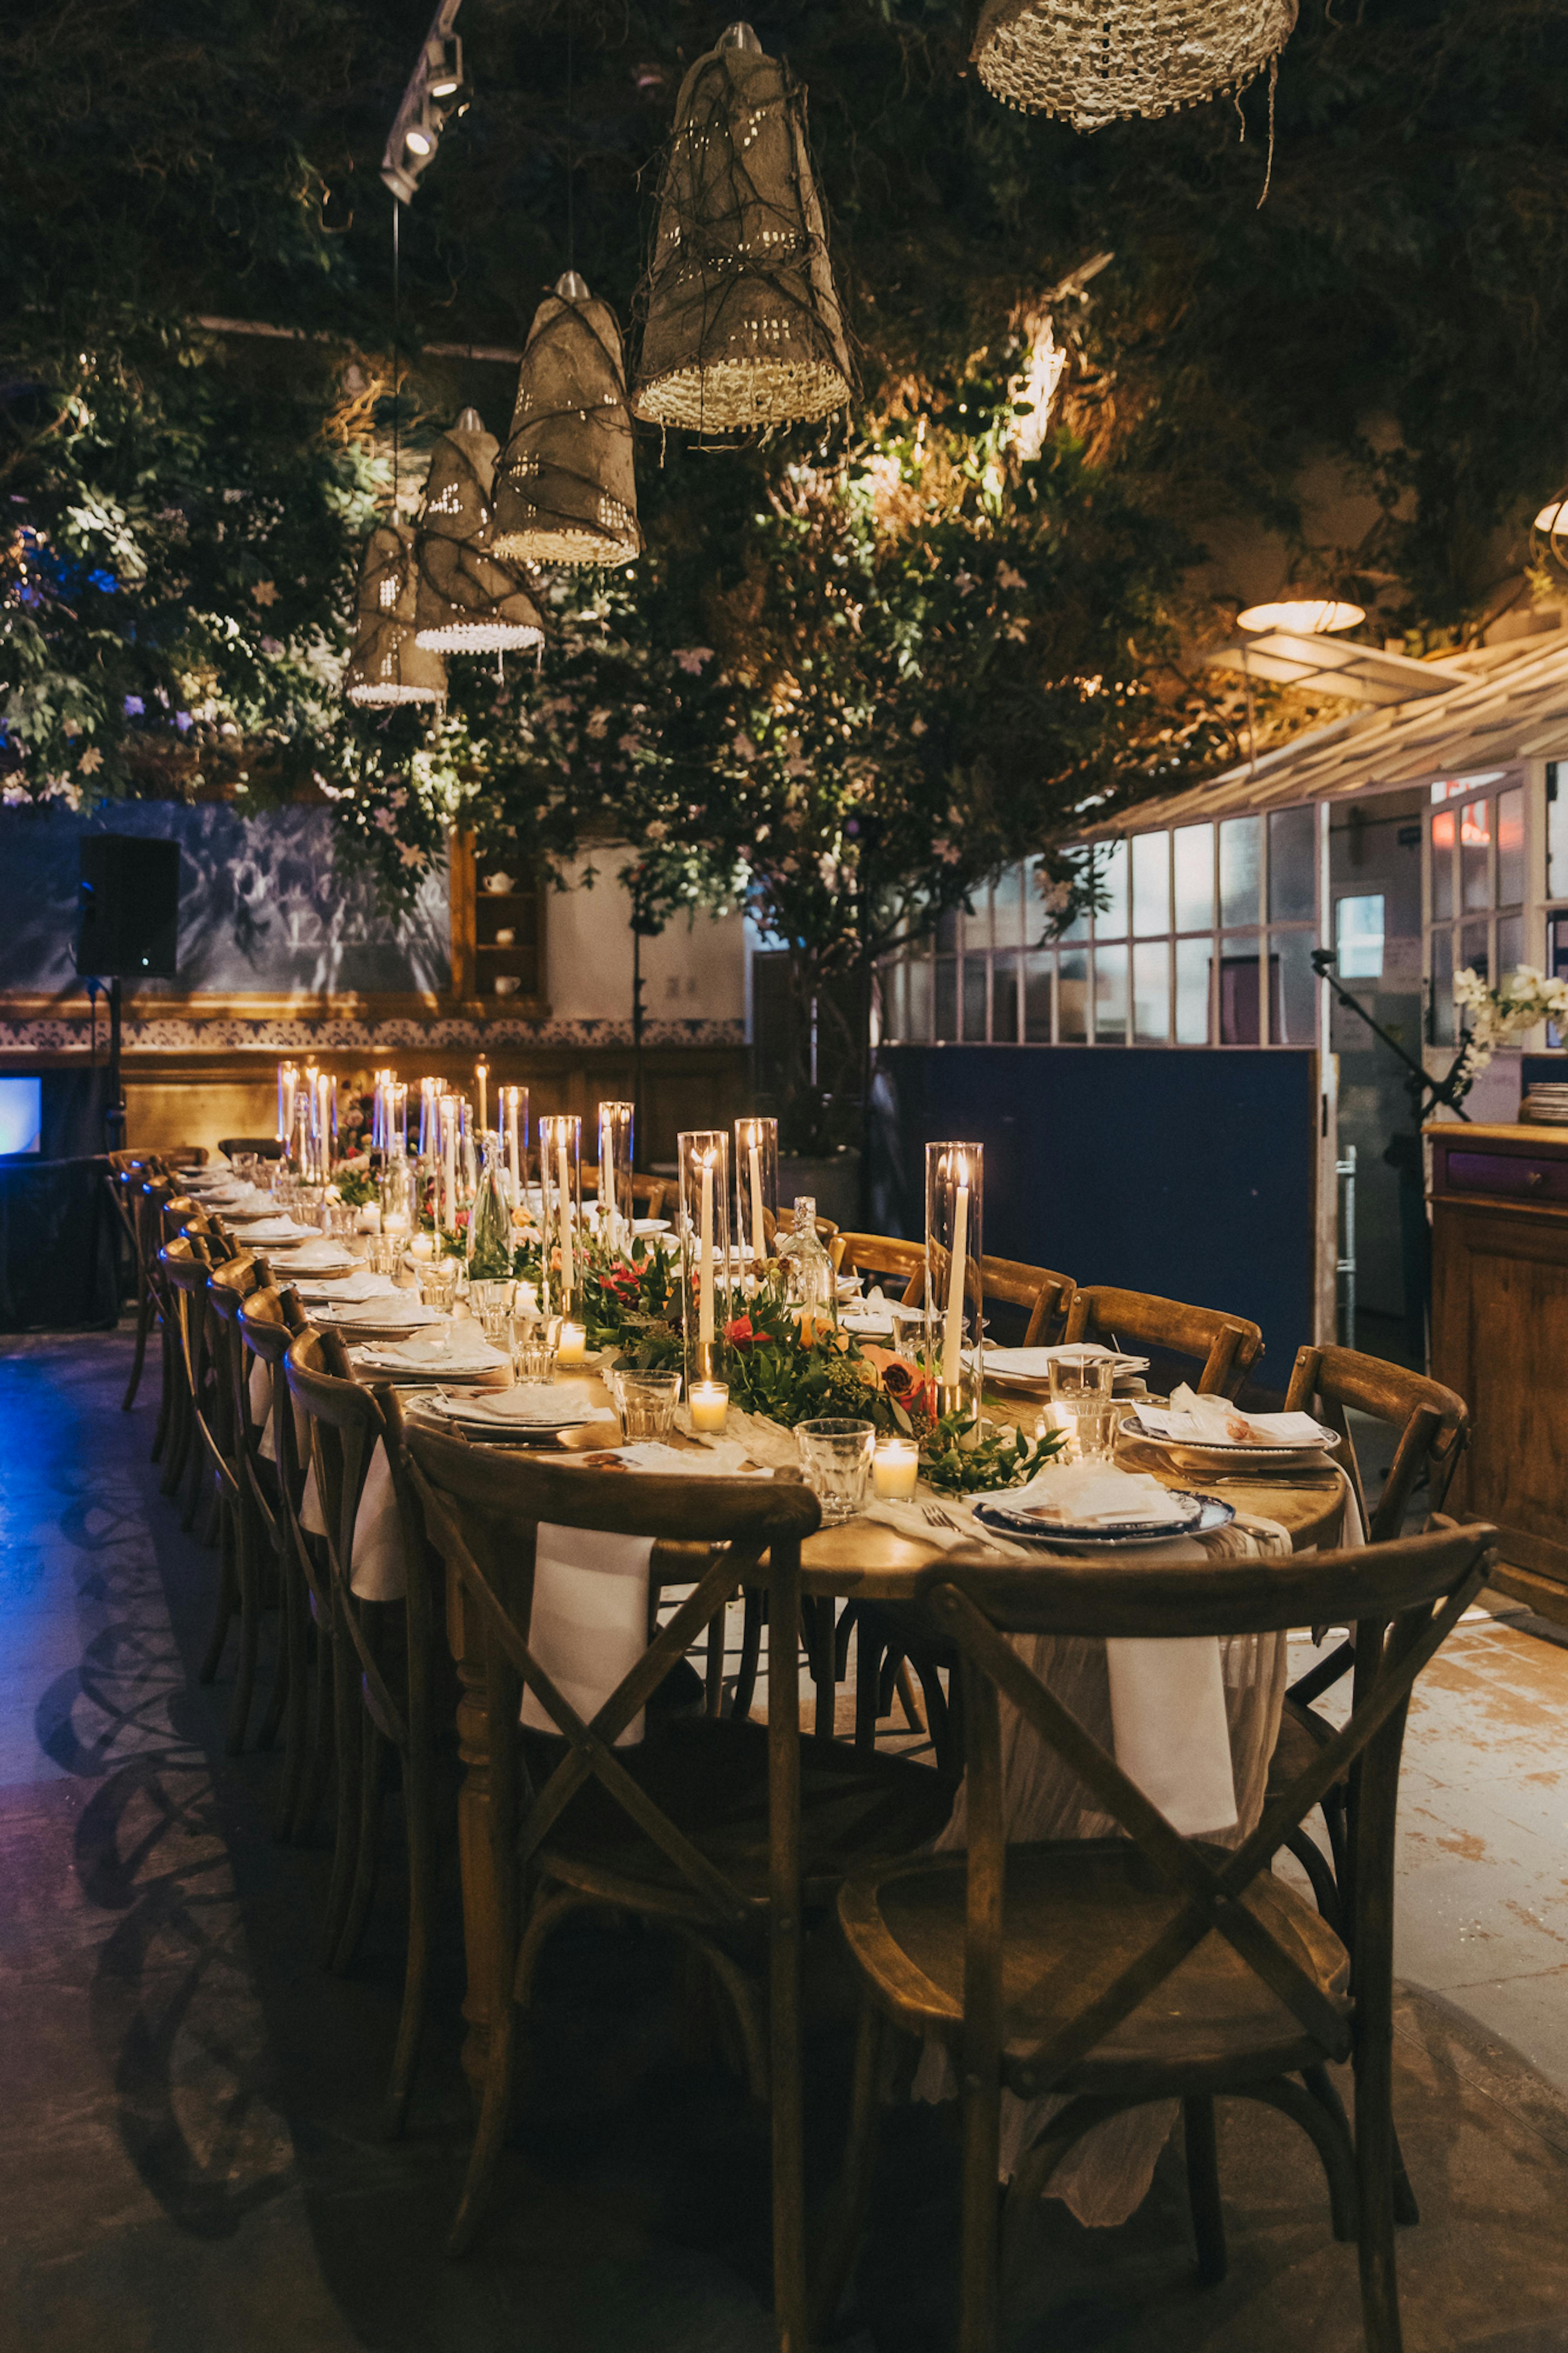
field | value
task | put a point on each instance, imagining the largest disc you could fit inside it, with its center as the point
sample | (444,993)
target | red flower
(621,1279)
(740,1333)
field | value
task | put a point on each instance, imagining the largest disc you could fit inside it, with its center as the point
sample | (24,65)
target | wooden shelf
(476,915)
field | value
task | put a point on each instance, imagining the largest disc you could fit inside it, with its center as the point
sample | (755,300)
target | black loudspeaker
(128,926)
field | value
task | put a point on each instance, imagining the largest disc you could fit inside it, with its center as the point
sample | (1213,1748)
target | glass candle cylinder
(323,1126)
(560,1179)
(447,1114)
(954,1173)
(756,1185)
(287,1088)
(430,1093)
(468,1151)
(514,1128)
(396,1138)
(616,1209)
(704,1182)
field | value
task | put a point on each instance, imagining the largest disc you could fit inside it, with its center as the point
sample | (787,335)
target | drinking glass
(244,1167)
(1081,1387)
(438,1283)
(384,1252)
(534,1340)
(836,1457)
(342,1220)
(492,1303)
(646,1403)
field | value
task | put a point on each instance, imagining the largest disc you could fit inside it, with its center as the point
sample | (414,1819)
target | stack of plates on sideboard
(1546,1104)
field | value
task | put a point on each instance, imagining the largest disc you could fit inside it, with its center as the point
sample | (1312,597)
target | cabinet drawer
(1508,1173)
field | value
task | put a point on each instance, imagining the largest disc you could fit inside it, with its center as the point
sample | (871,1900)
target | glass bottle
(489,1221)
(810,1283)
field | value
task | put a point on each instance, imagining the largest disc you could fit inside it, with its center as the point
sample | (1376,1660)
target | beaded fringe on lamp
(741,324)
(387,665)
(468,601)
(566,488)
(1092,64)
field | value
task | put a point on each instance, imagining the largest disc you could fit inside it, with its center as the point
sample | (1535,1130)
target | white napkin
(1093,1492)
(400,1309)
(873,1313)
(317,1257)
(364,1285)
(533,1405)
(278,1229)
(721,1459)
(1034,1363)
(1215,1421)
(1170,1730)
(458,1354)
(589,1625)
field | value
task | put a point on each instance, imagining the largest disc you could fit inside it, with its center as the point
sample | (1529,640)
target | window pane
(1240,850)
(1151,883)
(1441,1017)
(1509,944)
(1004,998)
(1510,851)
(1193,957)
(1473,945)
(1037,998)
(1556,964)
(917,980)
(1151,986)
(1358,936)
(1072,987)
(1008,918)
(1293,989)
(1193,849)
(1443,831)
(1239,1008)
(1556,829)
(974,976)
(1110,871)
(1293,865)
(1110,996)
(947,929)
(890,985)
(1475,841)
(946,981)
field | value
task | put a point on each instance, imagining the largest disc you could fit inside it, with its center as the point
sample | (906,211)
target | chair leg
(1375,2183)
(1202,2187)
(277,1702)
(295,1679)
(1406,2213)
(372,1796)
(977,2259)
(495,2111)
(228,1602)
(165,1395)
(350,1748)
(1325,1886)
(750,1653)
(853,2195)
(143,1325)
(179,1433)
(239,1540)
(868,1681)
(420,1830)
(322,1733)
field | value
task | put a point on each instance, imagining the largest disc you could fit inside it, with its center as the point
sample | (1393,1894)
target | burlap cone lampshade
(741,321)
(468,601)
(387,665)
(565,488)
(1093,64)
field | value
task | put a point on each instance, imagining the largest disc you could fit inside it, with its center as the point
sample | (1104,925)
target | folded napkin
(321,1257)
(871,1314)
(765,1442)
(589,1624)
(459,1353)
(721,1459)
(1215,1421)
(532,1405)
(278,1229)
(956,1527)
(1034,1363)
(351,1287)
(402,1311)
(1091,1492)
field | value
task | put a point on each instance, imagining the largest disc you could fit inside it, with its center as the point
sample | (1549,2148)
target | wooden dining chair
(1044,1296)
(123,1179)
(723,1832)
(648,1193)
(1145,1966)
(253,1537)
(273,1475)
(265,1148)
(898,1266)
(1225,1346)
(383,1655)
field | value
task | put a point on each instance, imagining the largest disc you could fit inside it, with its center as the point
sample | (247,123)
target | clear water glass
(534,1341)
(244,1167)
(835,1458)
(384,1252)
(439,1285)
(1081,1387)
(646,1403)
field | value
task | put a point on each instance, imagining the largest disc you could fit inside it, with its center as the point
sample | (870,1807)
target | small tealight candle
(422,1246)
(395,1221)
(709,1404)
(573,1348)
(895,1467)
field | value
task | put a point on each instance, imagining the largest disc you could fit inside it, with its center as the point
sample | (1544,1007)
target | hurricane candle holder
(560,1179)
(756,1188)
(514,1127)
(287,1088)
(430,1093)
(397,1137)
(323,1126)
(954,1282)
(449,1126)
(617,1208)
(703,1162)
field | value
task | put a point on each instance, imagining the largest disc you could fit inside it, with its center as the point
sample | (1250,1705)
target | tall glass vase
(756,1188)
(954,1277)
(704,1230)
(561,1181)
(490,1234)
(515,1133)
(617,1208)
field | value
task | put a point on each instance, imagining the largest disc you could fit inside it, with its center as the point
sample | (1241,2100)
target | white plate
(1201,1516)
(650,1225)
(1229,1456)
(536,1410)
(1032,1366)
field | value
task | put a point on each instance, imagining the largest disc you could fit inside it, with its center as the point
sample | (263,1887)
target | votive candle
(573,1348)
(895,1467)
(710,1405)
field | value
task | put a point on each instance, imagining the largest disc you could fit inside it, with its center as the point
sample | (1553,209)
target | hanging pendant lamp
(468,600)
(387,665)
(1094,63)
(566,488)
(741,324)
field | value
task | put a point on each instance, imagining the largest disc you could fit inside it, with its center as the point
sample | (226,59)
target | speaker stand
(114,1117)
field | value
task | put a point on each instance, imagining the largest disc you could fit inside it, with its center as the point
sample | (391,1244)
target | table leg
(486,1819)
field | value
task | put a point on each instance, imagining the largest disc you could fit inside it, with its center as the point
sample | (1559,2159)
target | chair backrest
(482,1508)
(1044,1295)
(1405,1598)
(648,1193)
(229,1285)
(890,1261)
(1226,1346)
(265,1148)
(1433,1423)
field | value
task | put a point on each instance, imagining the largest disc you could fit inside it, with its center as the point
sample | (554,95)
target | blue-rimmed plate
(1200,1516)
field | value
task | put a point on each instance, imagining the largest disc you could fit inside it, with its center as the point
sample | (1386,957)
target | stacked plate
(527,1416)
(1260,1455)
(1546,1104)
(1030,1368)
(1198,1515)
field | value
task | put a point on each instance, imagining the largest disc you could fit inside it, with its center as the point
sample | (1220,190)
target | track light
(444,65)
(436,93)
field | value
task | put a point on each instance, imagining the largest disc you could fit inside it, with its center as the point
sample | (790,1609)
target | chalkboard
(265,905)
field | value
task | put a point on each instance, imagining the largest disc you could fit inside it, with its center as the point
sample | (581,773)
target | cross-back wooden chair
(265,1148)
(126,1174)
(898,1266)
(254,1538)
(1044,1295)
(208,1406)
(720,1829)
(383,1659)
(1145,1966)
(648,1193)
(1433,1424)
(276,1462)
(1226,1346)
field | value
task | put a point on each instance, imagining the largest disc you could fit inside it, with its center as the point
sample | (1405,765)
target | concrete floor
(188,2150)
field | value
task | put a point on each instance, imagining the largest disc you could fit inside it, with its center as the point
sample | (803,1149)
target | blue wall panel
(1188,1174)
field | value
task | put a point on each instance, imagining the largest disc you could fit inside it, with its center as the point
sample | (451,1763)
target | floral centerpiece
(1499,1015)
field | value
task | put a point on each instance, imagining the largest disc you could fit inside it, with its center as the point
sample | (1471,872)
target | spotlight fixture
(1307,617)
(436,92)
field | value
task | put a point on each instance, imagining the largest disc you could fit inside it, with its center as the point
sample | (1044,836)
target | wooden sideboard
(1499,1338)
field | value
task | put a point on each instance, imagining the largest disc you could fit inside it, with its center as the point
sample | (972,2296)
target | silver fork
(934,1516)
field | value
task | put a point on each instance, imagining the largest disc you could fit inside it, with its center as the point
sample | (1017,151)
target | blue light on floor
(21,1115)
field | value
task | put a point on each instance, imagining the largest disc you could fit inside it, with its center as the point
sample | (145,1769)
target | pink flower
(691,659)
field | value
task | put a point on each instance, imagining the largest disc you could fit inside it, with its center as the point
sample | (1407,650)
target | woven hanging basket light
(566,488)
(468,600)
(1093,62)
(741,324)
(387,665)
